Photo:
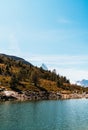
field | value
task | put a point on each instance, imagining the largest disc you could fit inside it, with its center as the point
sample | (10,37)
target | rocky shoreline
(42,95)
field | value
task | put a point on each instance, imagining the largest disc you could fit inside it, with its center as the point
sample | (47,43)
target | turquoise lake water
(44,115)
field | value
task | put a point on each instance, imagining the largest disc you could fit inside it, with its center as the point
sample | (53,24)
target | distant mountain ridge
(16,58)
(83,82)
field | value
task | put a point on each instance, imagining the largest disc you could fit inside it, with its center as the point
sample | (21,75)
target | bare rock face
(6,95)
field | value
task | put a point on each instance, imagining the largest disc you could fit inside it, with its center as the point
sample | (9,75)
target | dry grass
(49,85)
(14,69)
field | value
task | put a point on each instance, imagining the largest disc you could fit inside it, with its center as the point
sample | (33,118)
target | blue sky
(51,31)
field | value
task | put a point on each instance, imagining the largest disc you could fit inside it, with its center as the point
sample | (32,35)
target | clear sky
(54,32)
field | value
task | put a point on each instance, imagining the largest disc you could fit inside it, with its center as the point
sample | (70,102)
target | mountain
(83,82)
(20,76)
(16,73)
(44,67)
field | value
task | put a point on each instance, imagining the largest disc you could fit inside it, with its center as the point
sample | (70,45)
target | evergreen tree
(14,82)
(34,78)
(0,70)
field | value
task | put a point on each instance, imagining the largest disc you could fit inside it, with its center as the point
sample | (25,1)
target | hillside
(20,76)
(15,58)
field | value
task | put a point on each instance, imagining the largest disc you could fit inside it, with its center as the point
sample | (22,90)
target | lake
(44,115)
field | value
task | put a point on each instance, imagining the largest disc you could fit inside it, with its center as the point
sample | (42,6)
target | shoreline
(42,95)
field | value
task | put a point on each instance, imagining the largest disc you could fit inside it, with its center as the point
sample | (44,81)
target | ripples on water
(44,115)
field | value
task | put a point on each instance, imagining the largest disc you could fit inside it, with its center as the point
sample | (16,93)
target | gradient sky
(54,32)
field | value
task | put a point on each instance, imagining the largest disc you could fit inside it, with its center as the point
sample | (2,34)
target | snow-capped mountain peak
(83,82)
(44,66)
